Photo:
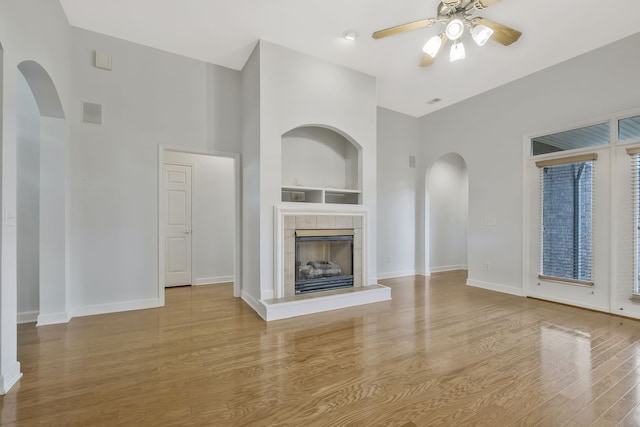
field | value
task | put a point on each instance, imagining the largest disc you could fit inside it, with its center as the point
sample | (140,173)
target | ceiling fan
(457,15)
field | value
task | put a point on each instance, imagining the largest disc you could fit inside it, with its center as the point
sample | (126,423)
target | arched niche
(320,165)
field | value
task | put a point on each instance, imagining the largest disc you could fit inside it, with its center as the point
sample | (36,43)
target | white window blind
(635,211)
(566,219)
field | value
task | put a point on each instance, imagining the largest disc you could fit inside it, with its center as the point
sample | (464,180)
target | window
(567,219)
(587,136)
(629,129)
(635,203)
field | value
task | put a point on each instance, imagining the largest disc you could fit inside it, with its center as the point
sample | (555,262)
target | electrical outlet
(486,266)
(490,221)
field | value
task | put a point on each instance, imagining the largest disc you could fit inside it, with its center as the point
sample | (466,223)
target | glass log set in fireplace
(324,260)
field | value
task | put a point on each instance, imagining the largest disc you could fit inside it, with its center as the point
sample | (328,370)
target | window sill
(635,298)
(569,282)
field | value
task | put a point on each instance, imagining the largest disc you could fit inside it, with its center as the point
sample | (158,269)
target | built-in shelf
(293,193)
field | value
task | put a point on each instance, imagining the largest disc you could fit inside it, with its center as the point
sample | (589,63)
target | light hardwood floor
(440,353)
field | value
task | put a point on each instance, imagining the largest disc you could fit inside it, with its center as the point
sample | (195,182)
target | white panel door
(177,184)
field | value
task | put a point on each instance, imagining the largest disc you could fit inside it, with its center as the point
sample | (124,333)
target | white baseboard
(394,274)
(9,377)
(27,317)
(257,306)
(422,273)
(52,318)
(573,303)
(268,294)
(445,268)
(495,287)
(90,310)
(213,280)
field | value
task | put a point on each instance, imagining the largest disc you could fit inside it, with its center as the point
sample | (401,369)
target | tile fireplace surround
(282,302)
(319,222)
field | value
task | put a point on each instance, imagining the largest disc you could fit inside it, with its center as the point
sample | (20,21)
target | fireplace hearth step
(323,284)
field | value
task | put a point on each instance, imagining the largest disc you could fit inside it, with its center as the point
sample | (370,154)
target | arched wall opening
(316,156)
(41,134)
(447,207)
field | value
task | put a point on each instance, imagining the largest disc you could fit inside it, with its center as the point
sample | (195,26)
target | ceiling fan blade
(427,60)
(404,27)
(501,33)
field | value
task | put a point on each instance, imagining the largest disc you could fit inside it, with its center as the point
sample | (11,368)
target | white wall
(398,136)
(448,206)
(251,227)
(42,37)
(299,90)
(213,214)
(28,201)
(490,140)
(149,98)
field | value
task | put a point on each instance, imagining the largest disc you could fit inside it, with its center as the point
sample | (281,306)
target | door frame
(237,261)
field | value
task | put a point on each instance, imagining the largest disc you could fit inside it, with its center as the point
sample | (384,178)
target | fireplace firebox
(324,260)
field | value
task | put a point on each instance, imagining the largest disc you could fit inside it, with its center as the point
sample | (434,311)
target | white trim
(422,273)
(267,294)
(90,310)
(27,317)
(212,280)
(256,305)
(284,310)
(496,287)
(572,303)
(237,259)
(446,268)
(394,274)
(10,377)
(53,319)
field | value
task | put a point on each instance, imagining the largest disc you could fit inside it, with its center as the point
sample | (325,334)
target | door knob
(187,231)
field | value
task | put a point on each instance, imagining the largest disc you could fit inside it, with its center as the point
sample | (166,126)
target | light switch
(9,218)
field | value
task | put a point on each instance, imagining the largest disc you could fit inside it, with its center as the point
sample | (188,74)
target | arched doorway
(447,212)
(41,134)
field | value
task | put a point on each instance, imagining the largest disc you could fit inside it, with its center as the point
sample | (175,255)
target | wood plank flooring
(440,353)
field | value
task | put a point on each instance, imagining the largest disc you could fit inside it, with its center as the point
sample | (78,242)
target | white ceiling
(225,32)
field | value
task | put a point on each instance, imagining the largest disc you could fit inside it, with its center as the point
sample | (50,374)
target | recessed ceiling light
(434,101)
(350,35)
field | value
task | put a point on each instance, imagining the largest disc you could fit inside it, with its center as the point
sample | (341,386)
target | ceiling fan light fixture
(481,34)
(433,45)
(457,51)
(350,35)
(455,28)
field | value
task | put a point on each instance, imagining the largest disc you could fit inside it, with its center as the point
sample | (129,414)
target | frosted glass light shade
(457,52)
(433,45)
(481,34)
(454,29)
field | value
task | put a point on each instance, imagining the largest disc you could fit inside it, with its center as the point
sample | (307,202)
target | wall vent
(92,113)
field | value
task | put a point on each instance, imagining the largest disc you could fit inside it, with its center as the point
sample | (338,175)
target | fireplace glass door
(323,263)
